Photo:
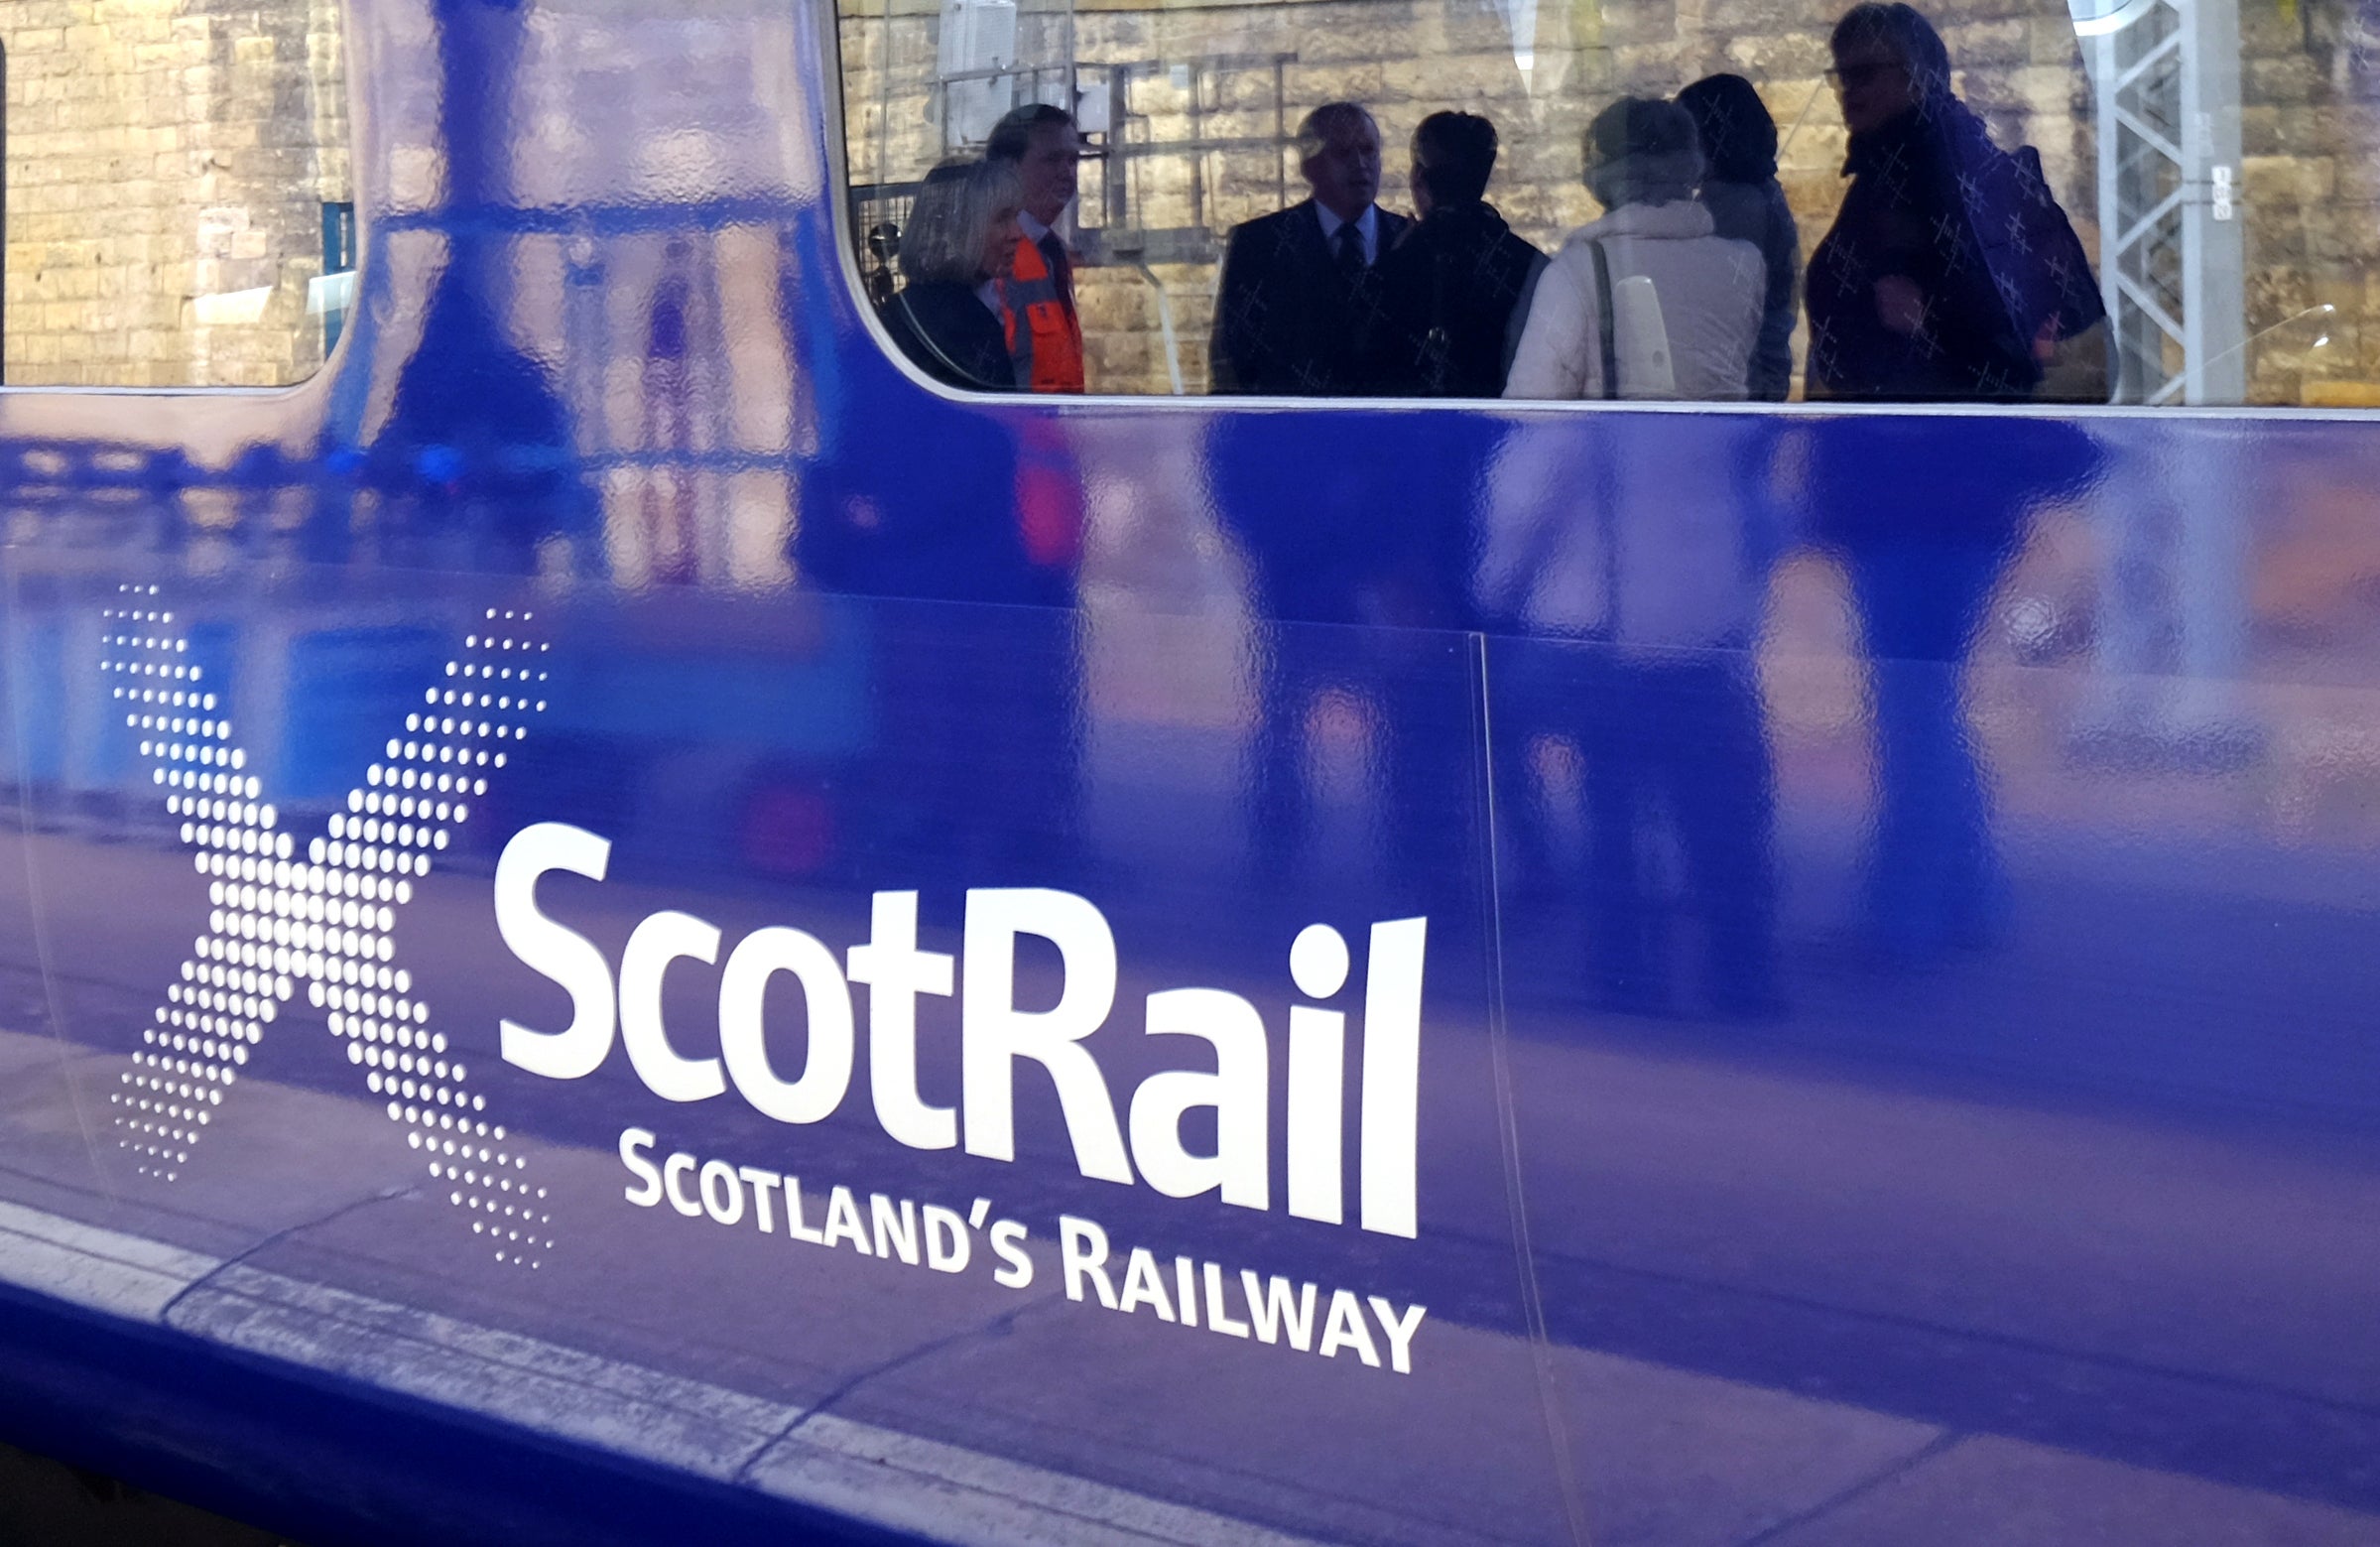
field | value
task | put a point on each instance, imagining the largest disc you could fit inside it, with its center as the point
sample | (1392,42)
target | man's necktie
(1062,269)
(1350,255)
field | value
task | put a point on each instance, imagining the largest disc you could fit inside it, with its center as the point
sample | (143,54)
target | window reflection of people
(1747,203)
(1045,343)
(668,497)
(1644,163)
(1452,292)
(1950,273)
(963,236)
(1297,285)
(1643,582)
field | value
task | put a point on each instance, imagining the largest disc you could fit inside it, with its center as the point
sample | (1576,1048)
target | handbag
(2043,277)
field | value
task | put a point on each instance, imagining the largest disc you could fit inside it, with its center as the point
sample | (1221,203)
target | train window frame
(835,104)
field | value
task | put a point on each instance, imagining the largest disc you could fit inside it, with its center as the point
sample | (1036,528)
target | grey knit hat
(1643,150)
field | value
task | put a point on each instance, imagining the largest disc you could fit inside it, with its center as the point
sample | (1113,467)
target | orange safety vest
(1045,338)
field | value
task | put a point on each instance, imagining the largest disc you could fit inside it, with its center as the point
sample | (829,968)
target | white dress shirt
(1367,231)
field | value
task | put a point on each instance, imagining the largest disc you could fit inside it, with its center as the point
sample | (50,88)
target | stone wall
(2310,174)
(168,161)
(2312,190)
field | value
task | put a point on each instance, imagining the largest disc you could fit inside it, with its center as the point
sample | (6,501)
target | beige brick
(2271,181)
(126,124)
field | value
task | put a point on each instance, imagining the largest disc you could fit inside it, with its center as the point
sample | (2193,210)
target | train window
(2149,202)
(175,183)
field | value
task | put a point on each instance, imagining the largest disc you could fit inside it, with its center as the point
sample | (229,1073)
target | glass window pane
(179,205)
(2162,201)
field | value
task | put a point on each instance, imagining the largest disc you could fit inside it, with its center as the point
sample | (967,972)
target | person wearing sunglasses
(1951,275)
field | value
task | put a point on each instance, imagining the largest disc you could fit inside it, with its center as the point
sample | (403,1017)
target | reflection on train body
(1889,1058)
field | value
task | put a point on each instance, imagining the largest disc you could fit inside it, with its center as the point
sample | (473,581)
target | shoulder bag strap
(1603,321)
(1606,527)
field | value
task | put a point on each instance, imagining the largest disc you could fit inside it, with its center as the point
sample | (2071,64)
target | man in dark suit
(1296,286)
(1321,516)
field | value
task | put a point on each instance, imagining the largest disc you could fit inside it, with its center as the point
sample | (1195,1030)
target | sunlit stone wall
(167,162)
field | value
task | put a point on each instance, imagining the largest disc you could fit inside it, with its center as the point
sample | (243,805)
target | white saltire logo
(326,920)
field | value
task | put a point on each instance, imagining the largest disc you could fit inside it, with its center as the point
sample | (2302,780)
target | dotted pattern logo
(326,920)
(229,989)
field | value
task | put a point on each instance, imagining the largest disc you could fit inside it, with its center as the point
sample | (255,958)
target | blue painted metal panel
(340,683)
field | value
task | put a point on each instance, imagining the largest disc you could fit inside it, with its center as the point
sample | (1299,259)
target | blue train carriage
(633,918)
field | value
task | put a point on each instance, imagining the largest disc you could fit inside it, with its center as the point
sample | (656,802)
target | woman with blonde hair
(947,316)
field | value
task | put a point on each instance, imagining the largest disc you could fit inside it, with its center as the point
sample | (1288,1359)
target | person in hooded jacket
(1453,290)
(1747,203)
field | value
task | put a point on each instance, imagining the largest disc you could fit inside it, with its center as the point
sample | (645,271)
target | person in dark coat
(1747,204)
(1330,536)
(1299,284)
(1950,273)
(1450,289)
(947,316)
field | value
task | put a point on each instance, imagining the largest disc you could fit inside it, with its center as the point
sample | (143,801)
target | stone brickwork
(2310,175)
(2311,184)
(167,162)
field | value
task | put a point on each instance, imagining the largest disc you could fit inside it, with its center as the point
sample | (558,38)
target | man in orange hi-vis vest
(1045,336)
(1039,682)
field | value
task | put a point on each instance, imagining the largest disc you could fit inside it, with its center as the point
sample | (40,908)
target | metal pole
(2127,387)
(2174,616)
(2214,249)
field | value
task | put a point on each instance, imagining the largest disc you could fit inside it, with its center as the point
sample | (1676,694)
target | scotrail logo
(325,918)
(998,1035)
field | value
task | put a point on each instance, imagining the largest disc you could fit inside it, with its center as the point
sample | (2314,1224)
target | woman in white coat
(1652,571)
(1644,163)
